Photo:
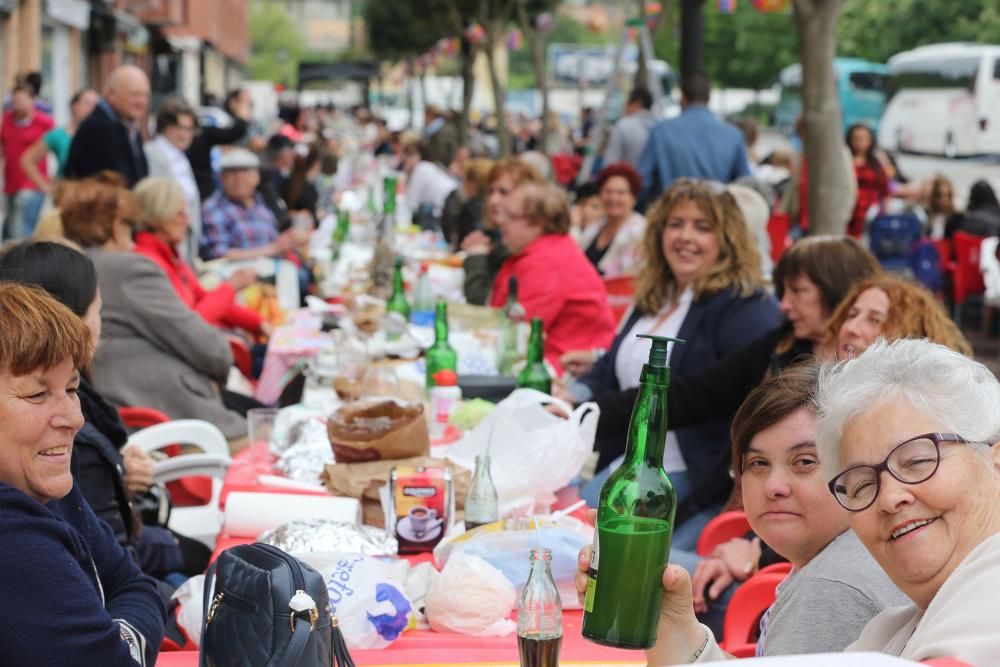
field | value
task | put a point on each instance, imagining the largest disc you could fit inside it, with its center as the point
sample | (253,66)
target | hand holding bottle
(679,634)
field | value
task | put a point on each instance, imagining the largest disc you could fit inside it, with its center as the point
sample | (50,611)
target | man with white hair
(236,221)
(110,138)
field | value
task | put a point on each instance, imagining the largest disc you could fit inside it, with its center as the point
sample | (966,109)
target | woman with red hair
(612,246)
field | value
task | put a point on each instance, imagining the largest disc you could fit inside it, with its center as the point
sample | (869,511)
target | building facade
(194,48)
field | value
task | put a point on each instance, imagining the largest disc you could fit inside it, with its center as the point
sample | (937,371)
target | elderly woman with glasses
(907,433)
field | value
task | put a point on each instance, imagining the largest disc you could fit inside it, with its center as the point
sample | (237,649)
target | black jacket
(97,464)
(715,326)
(199,153)
(713,392)
(102,142)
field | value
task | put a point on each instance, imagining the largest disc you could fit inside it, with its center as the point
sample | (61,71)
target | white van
(944,100)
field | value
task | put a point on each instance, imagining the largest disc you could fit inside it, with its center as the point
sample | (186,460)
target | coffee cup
(422,518)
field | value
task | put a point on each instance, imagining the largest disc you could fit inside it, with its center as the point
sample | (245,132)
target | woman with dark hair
(612,246)
(873,182)
(111,477)
(981,216)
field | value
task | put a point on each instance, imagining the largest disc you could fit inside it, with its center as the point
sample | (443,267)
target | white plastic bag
(190,596)
(471,597)
(534,453)
(507,550)
(366,594)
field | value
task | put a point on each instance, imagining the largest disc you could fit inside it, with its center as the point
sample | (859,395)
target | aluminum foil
(309,535)
(308,453)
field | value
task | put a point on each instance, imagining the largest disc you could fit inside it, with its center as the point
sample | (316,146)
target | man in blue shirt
(696,144)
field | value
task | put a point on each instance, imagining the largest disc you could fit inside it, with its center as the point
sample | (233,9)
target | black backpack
(264,608)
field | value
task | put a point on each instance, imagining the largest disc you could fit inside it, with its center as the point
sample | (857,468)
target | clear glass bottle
(539,614)
(481,502)
(423,299)
(511,345)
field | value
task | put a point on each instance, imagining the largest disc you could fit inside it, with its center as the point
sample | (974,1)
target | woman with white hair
(906,431)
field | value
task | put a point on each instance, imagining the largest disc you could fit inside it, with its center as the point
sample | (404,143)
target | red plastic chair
(621,294)
(776,568)
(187,492)
(742,623)
(241,357)
(721,529)
(966,279)
(136,418)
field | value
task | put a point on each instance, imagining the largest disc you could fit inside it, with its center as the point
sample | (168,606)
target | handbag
(265,608)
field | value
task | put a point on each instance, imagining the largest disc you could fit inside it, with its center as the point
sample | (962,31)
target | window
(944,73)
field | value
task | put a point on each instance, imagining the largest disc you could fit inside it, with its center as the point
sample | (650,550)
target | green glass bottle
(534,375)
(510,330)
(635,520)
(343,227)
(440,355)
(397,302)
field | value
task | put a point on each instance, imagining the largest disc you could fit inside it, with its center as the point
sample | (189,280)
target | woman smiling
(907,431)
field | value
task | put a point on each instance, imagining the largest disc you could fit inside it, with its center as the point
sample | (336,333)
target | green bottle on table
(397,302)
(440,355)
(343,227)
(635,521)
(534,375)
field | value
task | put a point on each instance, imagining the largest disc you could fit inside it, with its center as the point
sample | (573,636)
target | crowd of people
(837,405)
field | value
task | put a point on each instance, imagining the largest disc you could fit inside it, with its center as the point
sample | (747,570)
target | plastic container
(445,396)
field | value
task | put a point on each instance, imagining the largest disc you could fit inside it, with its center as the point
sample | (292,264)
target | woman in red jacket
(164,224)
(556,281)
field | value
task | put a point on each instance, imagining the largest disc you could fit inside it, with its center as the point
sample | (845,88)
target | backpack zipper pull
(302,602)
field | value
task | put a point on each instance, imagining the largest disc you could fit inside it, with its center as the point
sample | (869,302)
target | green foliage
(401,29)
(877,30)
(276,45)
(744,49)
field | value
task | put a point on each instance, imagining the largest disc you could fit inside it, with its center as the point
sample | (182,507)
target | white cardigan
(625,248)
(960,622)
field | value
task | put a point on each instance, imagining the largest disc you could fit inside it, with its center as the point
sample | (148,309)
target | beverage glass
(380,381)
(260,427)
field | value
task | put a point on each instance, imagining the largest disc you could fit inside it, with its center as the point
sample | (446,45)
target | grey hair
(961,392)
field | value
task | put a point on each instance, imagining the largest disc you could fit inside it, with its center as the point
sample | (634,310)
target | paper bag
(378,429)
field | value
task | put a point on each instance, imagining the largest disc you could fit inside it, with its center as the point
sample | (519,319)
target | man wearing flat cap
(236,221)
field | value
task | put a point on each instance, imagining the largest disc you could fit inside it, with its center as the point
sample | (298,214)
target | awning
(74,13)
(344,71)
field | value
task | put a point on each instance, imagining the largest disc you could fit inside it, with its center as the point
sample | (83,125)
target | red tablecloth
(417,647)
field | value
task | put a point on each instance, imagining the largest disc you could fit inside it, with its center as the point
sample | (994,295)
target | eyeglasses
(910,462)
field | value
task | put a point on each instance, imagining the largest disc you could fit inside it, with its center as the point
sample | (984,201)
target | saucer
(405,530)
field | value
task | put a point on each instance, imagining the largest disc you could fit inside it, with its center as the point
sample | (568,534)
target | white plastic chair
(204,522)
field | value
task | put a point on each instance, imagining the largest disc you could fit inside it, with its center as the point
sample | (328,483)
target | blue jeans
(23,209)
(591,491)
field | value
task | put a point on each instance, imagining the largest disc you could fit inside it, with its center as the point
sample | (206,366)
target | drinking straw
(489,439)
(538,532)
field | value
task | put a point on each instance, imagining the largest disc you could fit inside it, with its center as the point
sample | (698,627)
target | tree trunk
(641,74)
(692,36)
(498,92)
(830,175)
(538,64)
(466,57)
